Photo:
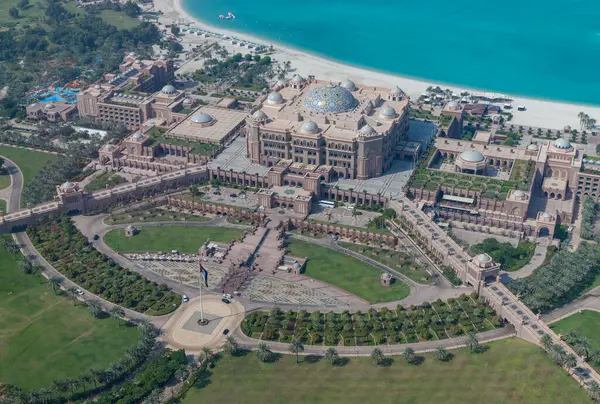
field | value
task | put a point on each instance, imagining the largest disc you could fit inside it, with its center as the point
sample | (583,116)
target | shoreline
(540,112)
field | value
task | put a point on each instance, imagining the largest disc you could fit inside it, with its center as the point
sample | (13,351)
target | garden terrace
(586,326)
(399,261)
(487,187)
(153,215)
(158,137)
(511,371)
(65,248)
(104,180)
(372,227)
(429,322)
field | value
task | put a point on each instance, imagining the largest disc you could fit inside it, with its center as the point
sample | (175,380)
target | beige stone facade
(355,130)
(51,111)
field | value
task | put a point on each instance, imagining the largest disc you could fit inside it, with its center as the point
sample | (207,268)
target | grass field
(119,20)
(103,181)
(511,371)
(44,337)
(154,215)
(186,239)
(4,179)
(30,162)
(2,206)
(585,324)
(346,273)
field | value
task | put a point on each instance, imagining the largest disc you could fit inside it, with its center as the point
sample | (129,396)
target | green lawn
(44,337)
(29,162)
(103,181)
(27,16)
(186,239)
(346,273)
(4,179)
(512,371)
(397,260)
(119,20)
(585,324)
(2,206)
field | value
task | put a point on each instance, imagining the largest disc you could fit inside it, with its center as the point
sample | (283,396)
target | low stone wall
(215,209)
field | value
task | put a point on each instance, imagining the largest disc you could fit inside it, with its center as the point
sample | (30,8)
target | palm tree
(263,353)
(54,283)
(72,294)
(546,341)
(441,354)
(117,313)
(331,355)
(594,390)
(377,355)
(409,355)
(571,337)
(570,361)
(230,345)
(94,308)
(472,341)
(296,347)
(206,355)
(60,386)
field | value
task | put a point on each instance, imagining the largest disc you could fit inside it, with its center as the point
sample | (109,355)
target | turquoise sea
(537,48)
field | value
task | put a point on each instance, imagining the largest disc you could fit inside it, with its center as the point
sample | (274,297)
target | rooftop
(223,123)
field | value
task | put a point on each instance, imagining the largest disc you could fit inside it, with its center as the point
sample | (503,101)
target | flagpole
(200,286)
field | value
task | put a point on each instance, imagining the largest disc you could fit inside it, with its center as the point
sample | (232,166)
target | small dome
(49,105)
(472,156)
(97,86)
(309,127)
(349,85)
(532,146)
(519,194)
(258,114)
(483,258)
(138,135)
(162,57)
(397,91)
(385,275)
(188,101)
(202,118)
(131,53)
(297,79)
(168,89)
(68,185)
(130,227)
(562,143)
(368,129)
(547,215)
(387,112)
(280,83)
(274,98)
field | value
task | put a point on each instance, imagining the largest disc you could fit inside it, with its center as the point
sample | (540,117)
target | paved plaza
(342,216)
(183,272)
(285,288)
(234,158)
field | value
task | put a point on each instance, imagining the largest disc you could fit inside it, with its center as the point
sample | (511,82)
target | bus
(326,204)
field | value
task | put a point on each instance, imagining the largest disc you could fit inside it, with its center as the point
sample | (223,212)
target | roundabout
(185,330)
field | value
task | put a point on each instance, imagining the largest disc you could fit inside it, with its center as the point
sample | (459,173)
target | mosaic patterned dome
(330,98)
(168,89)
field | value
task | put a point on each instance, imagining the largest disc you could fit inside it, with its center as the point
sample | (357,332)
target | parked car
(185,298)
(79,292)
(233,195)
(96,237)
(226,331)
(227,296)
(225,301)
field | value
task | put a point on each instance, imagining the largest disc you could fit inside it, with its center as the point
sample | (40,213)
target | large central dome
(329,98)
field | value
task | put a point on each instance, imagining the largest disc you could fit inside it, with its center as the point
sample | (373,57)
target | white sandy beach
(546,114)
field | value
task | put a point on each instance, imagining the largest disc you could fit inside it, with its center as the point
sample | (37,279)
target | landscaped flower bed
(63,246)
(428,322)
